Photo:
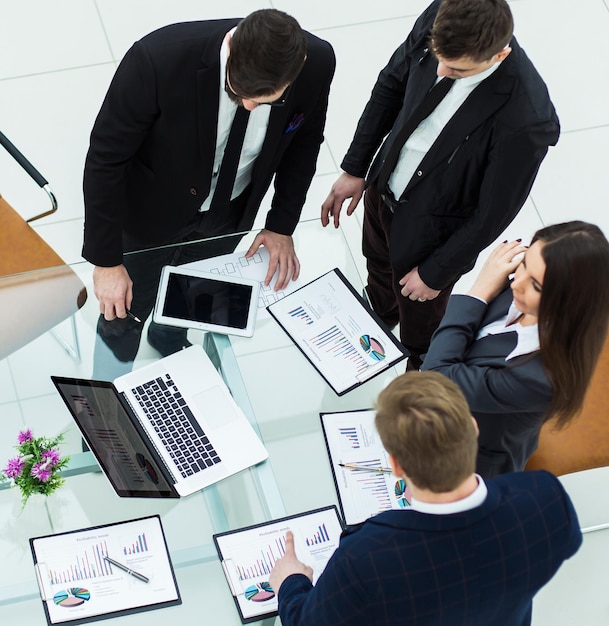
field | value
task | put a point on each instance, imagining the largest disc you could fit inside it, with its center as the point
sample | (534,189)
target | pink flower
(24,435)
(41,471)
(14,467)
(52,456)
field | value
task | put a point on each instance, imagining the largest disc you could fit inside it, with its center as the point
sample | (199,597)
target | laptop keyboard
(176,426)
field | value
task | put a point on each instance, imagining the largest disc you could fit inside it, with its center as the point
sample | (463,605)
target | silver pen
(128,570)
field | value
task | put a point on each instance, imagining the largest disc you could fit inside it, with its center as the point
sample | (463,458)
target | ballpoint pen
(365,468)
(133,317)
(128,570)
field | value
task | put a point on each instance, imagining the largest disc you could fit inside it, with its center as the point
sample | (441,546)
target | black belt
(389,201)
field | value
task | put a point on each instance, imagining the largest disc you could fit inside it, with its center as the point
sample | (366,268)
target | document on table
(338,332)
(114,569)
(249,554)
(237,265)
(360,466)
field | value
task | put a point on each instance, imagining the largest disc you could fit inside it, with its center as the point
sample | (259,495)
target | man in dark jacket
(466,552)
(446,180)
(158,170)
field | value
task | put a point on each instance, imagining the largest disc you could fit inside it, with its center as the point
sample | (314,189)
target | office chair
(38,290)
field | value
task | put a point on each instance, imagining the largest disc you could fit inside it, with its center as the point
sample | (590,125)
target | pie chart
(372,347)
(402,493)
(74,596)
(260,592)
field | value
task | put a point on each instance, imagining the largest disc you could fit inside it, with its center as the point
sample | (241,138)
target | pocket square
(295,123)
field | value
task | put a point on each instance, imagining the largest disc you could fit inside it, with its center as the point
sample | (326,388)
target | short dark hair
(425,423)
(477,29)
(573,311)
(267,52)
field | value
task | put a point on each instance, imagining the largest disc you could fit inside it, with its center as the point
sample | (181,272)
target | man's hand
(113,288)
(288,565)
(415,289)
(283,257)
(346,186)
(492,278)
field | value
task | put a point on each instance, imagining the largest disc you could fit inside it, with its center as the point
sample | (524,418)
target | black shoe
(166,340)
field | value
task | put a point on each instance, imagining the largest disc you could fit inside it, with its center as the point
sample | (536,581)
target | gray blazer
(508,399)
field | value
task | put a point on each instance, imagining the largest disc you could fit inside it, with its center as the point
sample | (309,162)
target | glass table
(276,387)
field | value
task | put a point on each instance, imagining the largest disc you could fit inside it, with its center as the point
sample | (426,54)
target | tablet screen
(206,300)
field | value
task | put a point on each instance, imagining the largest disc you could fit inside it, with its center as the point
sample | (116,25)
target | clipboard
(363,479)
(336,330)
(79,585)
(248,554)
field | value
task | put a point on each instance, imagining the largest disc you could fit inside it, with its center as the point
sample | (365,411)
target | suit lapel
(208,98)
(480,105)
(278,121)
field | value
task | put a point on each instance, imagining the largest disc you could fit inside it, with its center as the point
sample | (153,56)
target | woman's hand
(502,262)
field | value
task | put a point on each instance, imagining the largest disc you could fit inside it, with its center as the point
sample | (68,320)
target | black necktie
(428,104)
(230,160)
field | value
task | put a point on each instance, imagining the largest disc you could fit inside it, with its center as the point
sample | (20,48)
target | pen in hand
(128,570)
(133,317)
(365,468)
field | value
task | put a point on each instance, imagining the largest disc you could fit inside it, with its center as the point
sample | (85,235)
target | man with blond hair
(467,552)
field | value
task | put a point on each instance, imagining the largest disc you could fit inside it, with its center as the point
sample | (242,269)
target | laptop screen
(114,439)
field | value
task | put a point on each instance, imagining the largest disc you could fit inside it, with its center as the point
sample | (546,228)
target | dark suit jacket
(508,399)
(480,567)
(476,176)
(150,161)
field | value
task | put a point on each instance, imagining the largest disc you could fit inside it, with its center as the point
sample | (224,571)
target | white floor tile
(566,42)
(573,182)
(317,15)
(38,36)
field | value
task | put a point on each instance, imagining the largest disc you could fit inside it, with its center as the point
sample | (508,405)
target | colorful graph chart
(350,434)
(372,347)
(320,536)
(301,314)
(74,596)
(335,344)
(263,564)
(373,484)
(402,493)
(139,545)
(87,565)
(260,592)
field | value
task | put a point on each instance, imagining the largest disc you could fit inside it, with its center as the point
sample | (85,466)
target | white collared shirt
(528,336)
(475,499)
(421,140)
(254,136)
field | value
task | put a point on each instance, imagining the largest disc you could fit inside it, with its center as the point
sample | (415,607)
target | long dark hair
(573,311)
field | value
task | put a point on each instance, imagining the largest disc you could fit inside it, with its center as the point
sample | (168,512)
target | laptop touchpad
(215,408)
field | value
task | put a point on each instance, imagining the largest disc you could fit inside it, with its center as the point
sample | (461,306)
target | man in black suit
(442,190)
(159,169)
(466,551)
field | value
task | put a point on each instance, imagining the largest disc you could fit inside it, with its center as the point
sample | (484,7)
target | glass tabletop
(277,388)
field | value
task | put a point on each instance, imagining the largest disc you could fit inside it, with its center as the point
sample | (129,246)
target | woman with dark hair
(525,352)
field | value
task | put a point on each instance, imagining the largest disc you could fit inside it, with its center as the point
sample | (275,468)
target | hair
(477,29)
(267,52)
(573,314)
(425,423)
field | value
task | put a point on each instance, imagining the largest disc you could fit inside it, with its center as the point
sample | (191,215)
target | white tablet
(205,301)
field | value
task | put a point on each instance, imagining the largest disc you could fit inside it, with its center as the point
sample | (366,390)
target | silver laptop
(167,429)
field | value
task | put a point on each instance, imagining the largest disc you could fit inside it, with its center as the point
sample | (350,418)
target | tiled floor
(57,58)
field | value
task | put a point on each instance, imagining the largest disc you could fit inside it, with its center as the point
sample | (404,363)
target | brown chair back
(584,444)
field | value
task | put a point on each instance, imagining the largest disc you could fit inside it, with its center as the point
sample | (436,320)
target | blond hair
(425,423)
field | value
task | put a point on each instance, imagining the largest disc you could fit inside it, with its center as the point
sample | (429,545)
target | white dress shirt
(254,136)
(475,499)
(421,140)
(528,336)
